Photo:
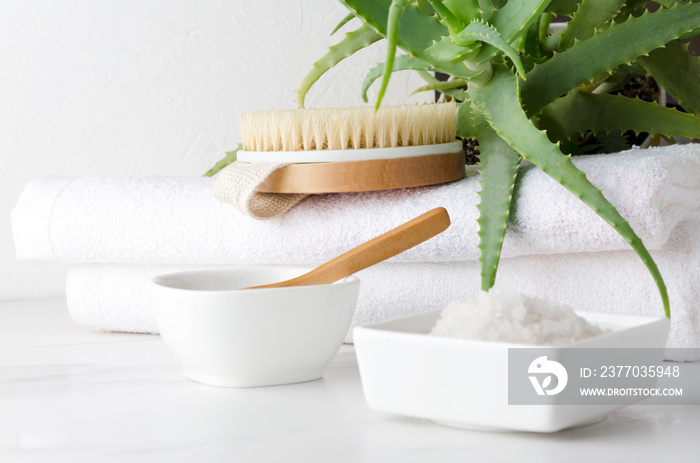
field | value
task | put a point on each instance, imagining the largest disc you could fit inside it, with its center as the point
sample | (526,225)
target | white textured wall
(125,87)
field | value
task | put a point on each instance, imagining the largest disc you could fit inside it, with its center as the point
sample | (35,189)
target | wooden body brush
(354,149)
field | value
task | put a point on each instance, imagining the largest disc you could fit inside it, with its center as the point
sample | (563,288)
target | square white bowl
(464,383)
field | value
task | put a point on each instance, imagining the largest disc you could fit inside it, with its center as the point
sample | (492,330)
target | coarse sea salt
(504,315)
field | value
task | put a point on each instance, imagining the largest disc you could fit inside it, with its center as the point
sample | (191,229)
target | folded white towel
(177,220)
(115,297)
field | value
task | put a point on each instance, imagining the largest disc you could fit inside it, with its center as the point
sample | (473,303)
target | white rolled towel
(177,220)
(115,297)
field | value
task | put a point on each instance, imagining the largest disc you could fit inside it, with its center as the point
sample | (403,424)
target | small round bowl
(231,337)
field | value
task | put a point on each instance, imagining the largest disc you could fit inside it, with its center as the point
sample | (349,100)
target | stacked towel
(605,281)
(122,230)
(177,220)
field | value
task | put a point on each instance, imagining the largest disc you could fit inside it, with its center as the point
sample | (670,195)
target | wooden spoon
(373,251)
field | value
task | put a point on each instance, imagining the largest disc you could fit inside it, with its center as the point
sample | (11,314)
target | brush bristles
(348,128)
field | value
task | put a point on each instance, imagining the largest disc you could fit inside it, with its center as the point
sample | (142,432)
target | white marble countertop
(70,395)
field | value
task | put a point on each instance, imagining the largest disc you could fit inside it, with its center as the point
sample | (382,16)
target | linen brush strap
(237,183)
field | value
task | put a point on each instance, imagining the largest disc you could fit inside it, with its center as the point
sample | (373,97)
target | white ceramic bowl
(224,336)
(464,383)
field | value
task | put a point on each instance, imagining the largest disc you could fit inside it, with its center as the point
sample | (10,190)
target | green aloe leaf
(456,93)
(392,33)
(619,44)
(468,121)
(516,17)
(579,112)
(452,21)
(488,7)
(498,165)
(343,22)
(402,63)
(499,102)
(228,159)
(529,44)
(480,32)
(511,21)
(631,8)
(446,50)
(543,26)
(551,43)
(416,35)
(563,7)
(590,16)
(678,71)
(443,86)
(352,42)
(425,8)
(466,10)
(670,3)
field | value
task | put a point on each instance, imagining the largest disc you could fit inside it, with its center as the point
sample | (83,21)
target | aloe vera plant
(525,92)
